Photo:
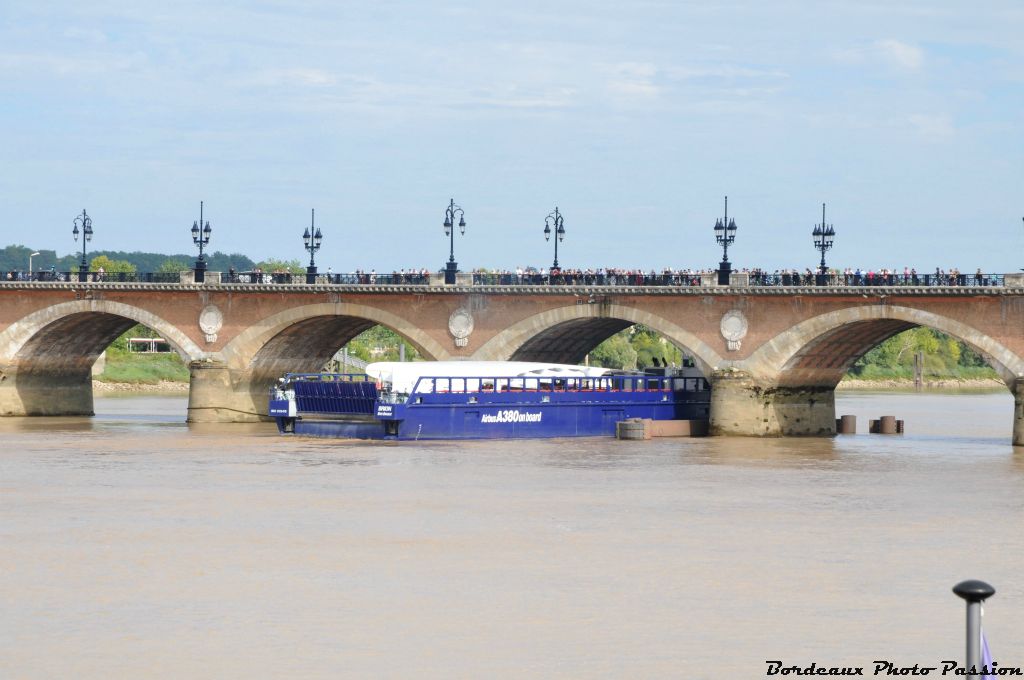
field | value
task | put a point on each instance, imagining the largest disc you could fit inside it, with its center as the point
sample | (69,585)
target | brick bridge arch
(567,334)
(297,340)
(821,349)
(49,354)
(787,386)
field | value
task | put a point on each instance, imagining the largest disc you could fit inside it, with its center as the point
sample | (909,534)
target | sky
(635,119)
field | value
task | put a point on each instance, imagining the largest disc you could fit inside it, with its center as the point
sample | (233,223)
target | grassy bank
(137,368)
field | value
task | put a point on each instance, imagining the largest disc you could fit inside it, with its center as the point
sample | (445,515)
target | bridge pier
(744,406)
(218,394)
(45,393)
(1018,412)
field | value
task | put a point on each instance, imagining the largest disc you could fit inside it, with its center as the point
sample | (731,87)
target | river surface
(133,546)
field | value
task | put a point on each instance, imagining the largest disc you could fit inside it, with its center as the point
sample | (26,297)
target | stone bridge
(773,355)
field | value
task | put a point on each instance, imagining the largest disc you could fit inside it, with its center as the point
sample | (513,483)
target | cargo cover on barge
(483,400)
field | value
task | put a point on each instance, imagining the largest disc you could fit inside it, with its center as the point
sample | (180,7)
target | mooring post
(974,592)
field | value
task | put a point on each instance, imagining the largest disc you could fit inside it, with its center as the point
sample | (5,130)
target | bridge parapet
(1012,288)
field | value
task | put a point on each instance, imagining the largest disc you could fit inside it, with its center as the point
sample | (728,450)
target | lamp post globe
(311,239)
(555,220)
(725,234)
(824,235)
(452,267)
(201,237)
(83,226)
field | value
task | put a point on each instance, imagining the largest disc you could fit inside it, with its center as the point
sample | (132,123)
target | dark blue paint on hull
(487,421)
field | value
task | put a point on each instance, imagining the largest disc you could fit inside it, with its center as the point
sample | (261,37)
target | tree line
(943,356)
(15,258)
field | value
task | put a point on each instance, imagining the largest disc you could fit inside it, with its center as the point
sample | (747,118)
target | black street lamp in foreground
(312,240)
(725,234)
(554,219)
(823,235)
(85,222)
(449,230)
(200,237)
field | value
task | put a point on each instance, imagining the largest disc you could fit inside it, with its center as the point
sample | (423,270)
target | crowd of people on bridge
(555,276)
(753,277)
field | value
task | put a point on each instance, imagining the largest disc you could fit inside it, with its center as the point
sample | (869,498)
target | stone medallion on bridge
(734,328)
(210,322)
(460,325)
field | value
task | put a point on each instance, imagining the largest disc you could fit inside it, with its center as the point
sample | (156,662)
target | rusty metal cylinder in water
(887,425)
(847,425)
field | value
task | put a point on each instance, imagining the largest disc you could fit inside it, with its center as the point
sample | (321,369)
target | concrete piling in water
(645,428)
(634,428)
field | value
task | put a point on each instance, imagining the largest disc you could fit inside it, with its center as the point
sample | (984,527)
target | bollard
(847,425)
(974,592)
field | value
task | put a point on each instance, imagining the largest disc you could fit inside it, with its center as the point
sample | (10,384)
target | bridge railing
(352,278)
(872,279)
(585,279)
(575,278)
(52,276)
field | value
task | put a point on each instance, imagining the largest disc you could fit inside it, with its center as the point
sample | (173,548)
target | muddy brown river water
(135,546)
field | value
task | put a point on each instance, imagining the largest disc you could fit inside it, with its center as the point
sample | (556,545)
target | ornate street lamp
(85,222)
(200,237)
(555,220)
(823,236)
(725,234)
(449,230)
(312,240)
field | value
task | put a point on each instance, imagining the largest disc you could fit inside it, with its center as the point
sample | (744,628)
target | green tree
(111,266)
(172,266)
(615,352)
(271,266)
(944,357)
(381,344)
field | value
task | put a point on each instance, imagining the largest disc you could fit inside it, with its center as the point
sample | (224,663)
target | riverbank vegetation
(943,358)
(141,368)
(15,258)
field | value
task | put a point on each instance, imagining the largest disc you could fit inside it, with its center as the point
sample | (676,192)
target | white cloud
(932,126)
(308,77)
(633,79)
(723,71)
(900,54)
(512,97)
(27,65)
(888,52)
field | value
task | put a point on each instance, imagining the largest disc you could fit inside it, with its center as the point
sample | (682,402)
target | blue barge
(492,401)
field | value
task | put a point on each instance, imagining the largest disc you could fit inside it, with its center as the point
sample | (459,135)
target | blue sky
(634,118)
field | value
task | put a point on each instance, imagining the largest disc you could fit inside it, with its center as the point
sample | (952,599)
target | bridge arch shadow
(52,352)
(567,334)
(821,350)
(305,338)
